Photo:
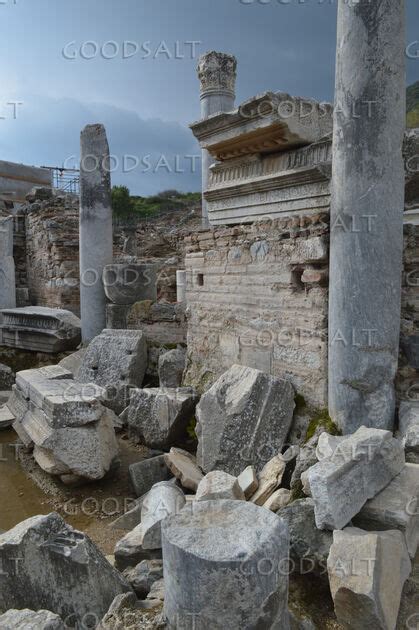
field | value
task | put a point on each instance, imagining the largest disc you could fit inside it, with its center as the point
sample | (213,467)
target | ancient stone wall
(408,375)
(52,253)
(257,296)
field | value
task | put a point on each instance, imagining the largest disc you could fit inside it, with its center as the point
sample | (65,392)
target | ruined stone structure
(217,75)
(16,180)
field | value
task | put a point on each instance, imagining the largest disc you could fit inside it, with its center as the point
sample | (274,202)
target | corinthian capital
(217,73)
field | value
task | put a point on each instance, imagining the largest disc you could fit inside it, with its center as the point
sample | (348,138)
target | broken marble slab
(244,418)
(46,564)
(39,329)
(184,467)
(279,499)
(117,361)
(269,479)
(248,481)
(359,468)
(395,507)
(144,540)
(367,571)
(158,417)
(148,472)
(214,557)
(409,429)
(219,485)
(30,620)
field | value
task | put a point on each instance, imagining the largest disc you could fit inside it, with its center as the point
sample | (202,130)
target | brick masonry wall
(257,295)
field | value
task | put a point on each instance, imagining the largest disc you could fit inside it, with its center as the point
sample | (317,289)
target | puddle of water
(20,498)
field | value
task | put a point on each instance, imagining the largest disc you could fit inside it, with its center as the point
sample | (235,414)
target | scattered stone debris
(219,485)
(395,507)
(46,564)
(184,467)
(367,571)
(146,473)
(409,430)
(117,361)
(171,367)
(31,620)
(310,546)
(158,417)
(278,499)
(145,540)
(242,413)
(7,377)
(143,576)
(248,481)
(360,467)
(71,431)
(269,479)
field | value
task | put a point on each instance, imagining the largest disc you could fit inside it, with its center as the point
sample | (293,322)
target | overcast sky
(148,93)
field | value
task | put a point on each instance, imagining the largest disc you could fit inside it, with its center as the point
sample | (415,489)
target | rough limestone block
(158,417)
(46,564)
(409,429)
(31,620)
(117,361)
(219,485)
(367,571)
(146,473)
(223,564)
(243,418)
(310,546)
(127,283)
(73,362)
(248,481)
(184,467)
(7,265)
(171,367)
(327,445)
(280,498)
(395,507)
(269,479)
(359,468)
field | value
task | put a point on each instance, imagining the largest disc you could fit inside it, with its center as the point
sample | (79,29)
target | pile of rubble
(212,536)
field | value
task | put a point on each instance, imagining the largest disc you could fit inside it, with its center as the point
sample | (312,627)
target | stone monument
(367,213)
(95,228)
(217,74)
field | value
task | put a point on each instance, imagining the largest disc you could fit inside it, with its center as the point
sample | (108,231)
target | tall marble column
(7,265)
(367,213)
(95,228)
(217,75)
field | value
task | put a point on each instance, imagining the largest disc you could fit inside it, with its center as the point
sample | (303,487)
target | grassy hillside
(413,105)
(167,202)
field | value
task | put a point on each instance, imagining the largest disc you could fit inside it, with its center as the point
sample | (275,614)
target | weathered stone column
(367,213)
(217,74)
(95,228)
(7,265)
(181,285)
